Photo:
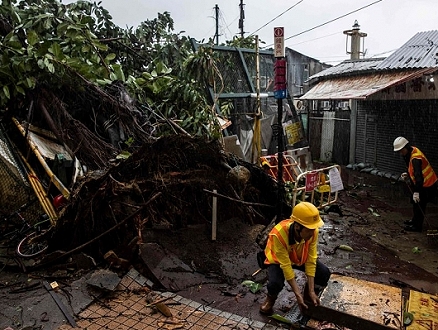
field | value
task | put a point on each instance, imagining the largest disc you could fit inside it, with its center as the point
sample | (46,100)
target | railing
(321,195)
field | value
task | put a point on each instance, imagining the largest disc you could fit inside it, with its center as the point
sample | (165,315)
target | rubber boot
(266,307)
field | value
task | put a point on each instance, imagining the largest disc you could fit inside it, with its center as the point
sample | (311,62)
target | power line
(332,20)
(277,17)
(335,19)
(303,42)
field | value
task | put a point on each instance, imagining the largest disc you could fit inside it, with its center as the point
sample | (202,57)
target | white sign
(335,180)
(279,42)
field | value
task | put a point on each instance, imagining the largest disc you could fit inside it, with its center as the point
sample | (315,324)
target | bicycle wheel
(32,245)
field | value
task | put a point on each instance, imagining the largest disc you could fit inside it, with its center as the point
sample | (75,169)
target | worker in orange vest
(292,244)
(421,179)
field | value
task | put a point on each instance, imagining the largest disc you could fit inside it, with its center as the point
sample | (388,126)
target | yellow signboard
(292,131)
(424,308)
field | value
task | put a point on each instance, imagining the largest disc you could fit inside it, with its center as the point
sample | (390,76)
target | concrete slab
(166,268)
(371,301)
(104,279)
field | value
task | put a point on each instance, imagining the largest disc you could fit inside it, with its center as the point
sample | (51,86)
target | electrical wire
(303,42)
(276,17)
(330,21)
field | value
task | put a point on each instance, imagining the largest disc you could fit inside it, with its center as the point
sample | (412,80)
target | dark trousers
(276,277)
(419,209)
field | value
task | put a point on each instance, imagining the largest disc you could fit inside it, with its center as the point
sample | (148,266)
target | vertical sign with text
(279,42)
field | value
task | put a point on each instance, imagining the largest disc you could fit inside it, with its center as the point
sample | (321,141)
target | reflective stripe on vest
(281,231)
(429,176)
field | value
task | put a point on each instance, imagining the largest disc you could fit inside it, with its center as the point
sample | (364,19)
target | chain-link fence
(15,190)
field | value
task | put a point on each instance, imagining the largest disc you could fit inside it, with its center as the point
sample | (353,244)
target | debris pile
(166,184)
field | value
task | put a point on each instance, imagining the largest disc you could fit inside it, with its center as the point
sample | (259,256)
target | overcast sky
(388,23)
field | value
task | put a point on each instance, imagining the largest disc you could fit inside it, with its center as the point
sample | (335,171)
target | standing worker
(422,181)
(292,244)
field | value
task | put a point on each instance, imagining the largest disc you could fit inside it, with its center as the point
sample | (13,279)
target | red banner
(312,180)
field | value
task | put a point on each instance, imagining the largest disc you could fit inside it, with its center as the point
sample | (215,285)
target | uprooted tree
(132,106)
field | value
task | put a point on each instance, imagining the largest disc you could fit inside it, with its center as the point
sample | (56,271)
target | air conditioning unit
(344,105)
(326,105)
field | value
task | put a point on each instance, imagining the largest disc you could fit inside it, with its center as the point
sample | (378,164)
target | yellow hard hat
(307,214)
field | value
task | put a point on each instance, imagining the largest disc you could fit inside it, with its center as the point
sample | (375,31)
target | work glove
(404,176)
(416,197)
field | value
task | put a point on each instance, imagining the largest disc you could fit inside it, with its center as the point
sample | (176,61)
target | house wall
(329,136)
(299,68)
(380,122)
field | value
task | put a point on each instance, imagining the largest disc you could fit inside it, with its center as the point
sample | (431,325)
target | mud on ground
(373,211)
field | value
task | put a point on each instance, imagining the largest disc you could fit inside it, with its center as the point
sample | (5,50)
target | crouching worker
(292,244)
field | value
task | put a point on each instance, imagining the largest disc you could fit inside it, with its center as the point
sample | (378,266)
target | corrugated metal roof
(350,66)
(360,87)
(421,51)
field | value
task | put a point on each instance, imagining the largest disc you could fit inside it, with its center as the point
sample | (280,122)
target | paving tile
(230,323)
(83,323)
(236,318)
(203,321)
(94,327)
(128,302)
(138,306)
(102,321)
(119,308)
(113,325)
(257,324)
(215,311)
(225,315)
(208,316)
(130,322)
(219,320)
(195,304)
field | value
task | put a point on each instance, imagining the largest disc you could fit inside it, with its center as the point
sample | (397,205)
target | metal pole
(216,7)
(280,191)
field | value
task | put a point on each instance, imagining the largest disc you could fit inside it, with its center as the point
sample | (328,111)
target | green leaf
(123,155)
(280,318)
(110,57)
(407,318)
(20,90)
(119,72)
(416,249)
(50,67)
(253,286)
(32,37)
(6,91)
(345,247)
(56,51)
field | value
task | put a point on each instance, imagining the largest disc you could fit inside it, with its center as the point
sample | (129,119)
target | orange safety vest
(429,175)
(281,231)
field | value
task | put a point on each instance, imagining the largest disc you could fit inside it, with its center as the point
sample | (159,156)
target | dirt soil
(373,210)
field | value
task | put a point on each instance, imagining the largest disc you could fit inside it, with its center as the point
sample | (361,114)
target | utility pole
(242,17)
(356,37)
(216,10)
(280,93)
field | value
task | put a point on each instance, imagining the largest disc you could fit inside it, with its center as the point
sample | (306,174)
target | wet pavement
(203,278)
